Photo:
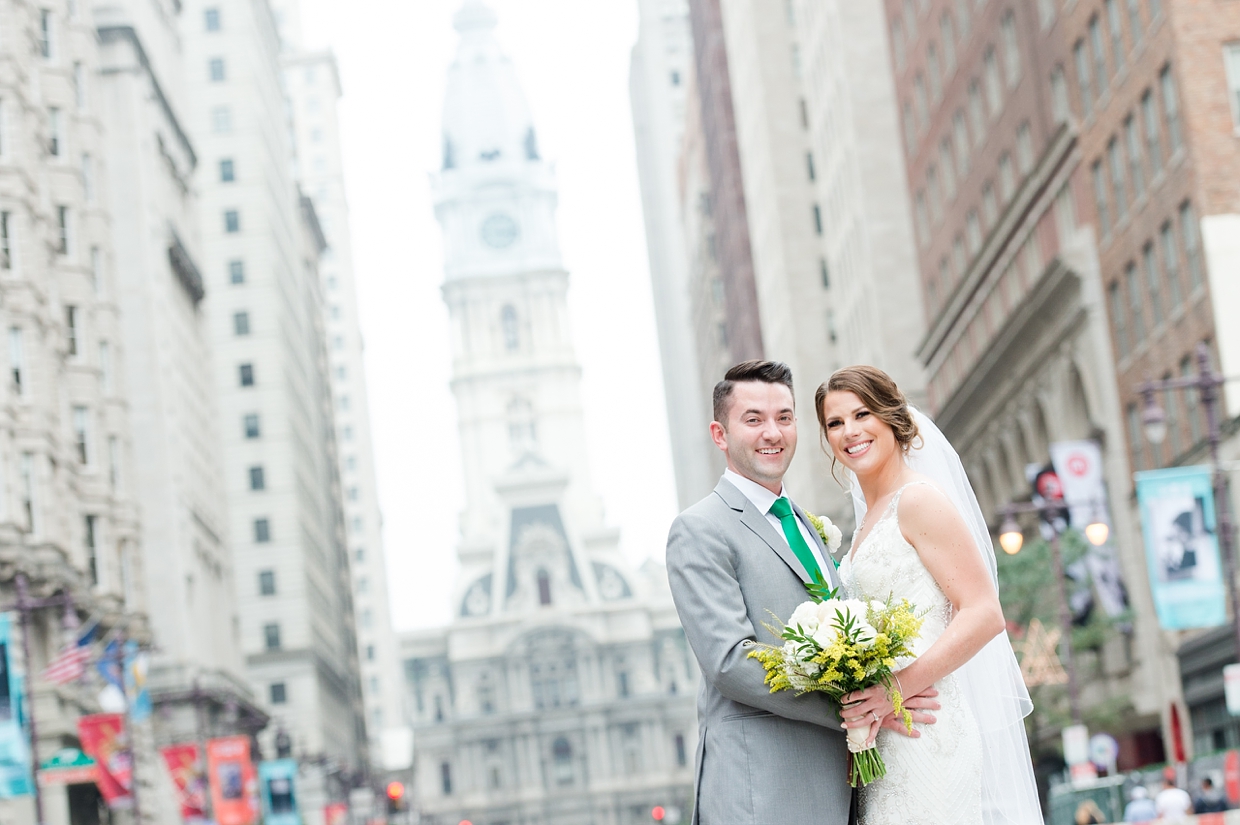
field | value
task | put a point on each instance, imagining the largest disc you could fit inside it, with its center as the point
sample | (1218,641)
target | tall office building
(563,689)
(197,677)
(662,62)
(264,307)
(312,82)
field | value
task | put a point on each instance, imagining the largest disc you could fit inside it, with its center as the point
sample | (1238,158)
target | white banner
(1079,467)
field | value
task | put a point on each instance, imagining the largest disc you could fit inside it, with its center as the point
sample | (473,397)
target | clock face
(499,230)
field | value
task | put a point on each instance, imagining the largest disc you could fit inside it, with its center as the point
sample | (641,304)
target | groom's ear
(719,435)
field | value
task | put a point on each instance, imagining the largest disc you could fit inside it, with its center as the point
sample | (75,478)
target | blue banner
(278,781)
(15,776)
(1181,547)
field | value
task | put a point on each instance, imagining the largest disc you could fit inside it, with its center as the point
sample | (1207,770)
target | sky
(573,59)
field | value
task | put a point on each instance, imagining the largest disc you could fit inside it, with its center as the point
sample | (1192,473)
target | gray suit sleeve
(716,622)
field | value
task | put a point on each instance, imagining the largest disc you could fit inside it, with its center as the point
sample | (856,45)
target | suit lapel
(760,527)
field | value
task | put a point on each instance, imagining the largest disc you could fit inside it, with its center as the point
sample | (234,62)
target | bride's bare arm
(931,523)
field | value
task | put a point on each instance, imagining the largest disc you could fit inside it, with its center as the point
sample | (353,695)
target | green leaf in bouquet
(819,589)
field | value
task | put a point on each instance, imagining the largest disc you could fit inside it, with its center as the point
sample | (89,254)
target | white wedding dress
(935,779)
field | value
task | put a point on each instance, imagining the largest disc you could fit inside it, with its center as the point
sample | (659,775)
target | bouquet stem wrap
(867,762)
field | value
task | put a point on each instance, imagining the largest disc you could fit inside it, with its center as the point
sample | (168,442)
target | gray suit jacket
(763,758)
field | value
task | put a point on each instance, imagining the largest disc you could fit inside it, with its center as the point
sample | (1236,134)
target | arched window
(562,751)
(544,587)
(508,317)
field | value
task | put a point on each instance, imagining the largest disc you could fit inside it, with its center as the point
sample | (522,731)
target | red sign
(335,813)
(103,739)
(234,782)
(1231,776)
(186,772)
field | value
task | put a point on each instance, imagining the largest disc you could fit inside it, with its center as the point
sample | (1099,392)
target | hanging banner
(1078,466)
(103,739)
(186,770)
(233,781)
(136,694)
(1048,490)
(277,780)
(15,768)
(1181,547)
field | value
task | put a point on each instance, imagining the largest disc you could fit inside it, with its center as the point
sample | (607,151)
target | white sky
(573,58)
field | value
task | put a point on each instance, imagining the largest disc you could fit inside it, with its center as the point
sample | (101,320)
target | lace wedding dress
(936,778)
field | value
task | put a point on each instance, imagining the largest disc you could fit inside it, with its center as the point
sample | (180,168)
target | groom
(744,550)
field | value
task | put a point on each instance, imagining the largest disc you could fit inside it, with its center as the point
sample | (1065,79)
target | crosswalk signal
(396,797)
(657,813)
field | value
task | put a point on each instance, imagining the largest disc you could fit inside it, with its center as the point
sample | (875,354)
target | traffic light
(657,813)
(396,797)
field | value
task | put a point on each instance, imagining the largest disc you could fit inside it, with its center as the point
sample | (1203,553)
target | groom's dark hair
(768,372)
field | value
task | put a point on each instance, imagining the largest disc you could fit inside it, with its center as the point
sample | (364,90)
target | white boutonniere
(827,531)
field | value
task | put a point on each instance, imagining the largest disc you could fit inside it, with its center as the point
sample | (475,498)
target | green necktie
(782,508)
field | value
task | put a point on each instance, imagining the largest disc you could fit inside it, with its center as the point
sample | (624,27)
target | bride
(921,536)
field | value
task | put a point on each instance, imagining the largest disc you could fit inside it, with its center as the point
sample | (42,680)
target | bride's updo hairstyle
(881,397)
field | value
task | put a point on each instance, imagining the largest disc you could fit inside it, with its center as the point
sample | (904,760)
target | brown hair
(879,393)
(768,372)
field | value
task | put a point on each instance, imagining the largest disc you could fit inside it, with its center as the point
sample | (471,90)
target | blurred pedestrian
(1212,800)
(1173,802)
(1140,807)
(1088,813)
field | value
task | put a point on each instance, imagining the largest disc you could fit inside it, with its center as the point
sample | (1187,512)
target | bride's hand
(866,709)
(918,706)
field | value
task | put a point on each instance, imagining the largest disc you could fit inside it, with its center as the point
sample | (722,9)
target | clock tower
(532,533)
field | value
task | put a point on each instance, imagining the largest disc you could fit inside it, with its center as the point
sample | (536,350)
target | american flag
(70,663)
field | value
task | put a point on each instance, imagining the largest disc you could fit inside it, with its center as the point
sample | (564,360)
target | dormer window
(544,587)
(531,145)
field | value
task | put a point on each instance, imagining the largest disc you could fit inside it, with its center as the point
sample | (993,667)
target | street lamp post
(1207,382)
(1011,539)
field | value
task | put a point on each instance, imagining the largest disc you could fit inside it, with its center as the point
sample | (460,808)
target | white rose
(806,617)
(827,610)
(826,634)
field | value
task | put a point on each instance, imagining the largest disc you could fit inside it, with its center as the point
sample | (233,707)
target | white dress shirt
(763,498)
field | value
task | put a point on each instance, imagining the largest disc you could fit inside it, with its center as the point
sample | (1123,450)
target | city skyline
(585,129)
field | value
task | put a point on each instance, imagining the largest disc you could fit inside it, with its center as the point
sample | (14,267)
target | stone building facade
(562,692)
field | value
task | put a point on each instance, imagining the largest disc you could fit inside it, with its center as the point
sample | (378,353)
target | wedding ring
(875,715)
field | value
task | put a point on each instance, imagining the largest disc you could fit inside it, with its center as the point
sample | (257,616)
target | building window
(961,135)
(1011,49)
(105,367)
(262,531)
(1133,145)
(92,548)
(232,221)
(245,375)
(81,434)
(1081,62)
(212,19)
(71,330)
(236,272)
(1099,56)
(221,120)
(826,273)
(682,753)
(544,587)
(1153,145)
(817,219)
(562,753)
(17,360)
(809,165)
(1134,19)
(55,132)
(1231,60)
(1171,109)
(1192,246)
(947,162)
(227,173)
(370,653)
(271,636)
(1154,283)
(990,207)
(1117,318)
(897,41)
(279,693)
(1115,166)
(936,73)
(1007,177)
(1136,437)
(215,68)
(508,320)
(1024,148)
(64,231)
(1114,27)
(257,478)
(266,582)
(1133,284)
(241,323)
(114,462)
(1171,263)
(973,231)
(920,104)
(977,114)
(28,492)
(47,48)
(963,14)
(622,684)
(1191,401)
(250,424)
(6,240)
(1100,197)
(445,778)
(1059,95)
(910,130)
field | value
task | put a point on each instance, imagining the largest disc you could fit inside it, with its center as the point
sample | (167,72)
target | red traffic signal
(395,791)
(657,813)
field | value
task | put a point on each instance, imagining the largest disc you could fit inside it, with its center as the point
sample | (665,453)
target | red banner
(234,781)
(103,739)
(186,772)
